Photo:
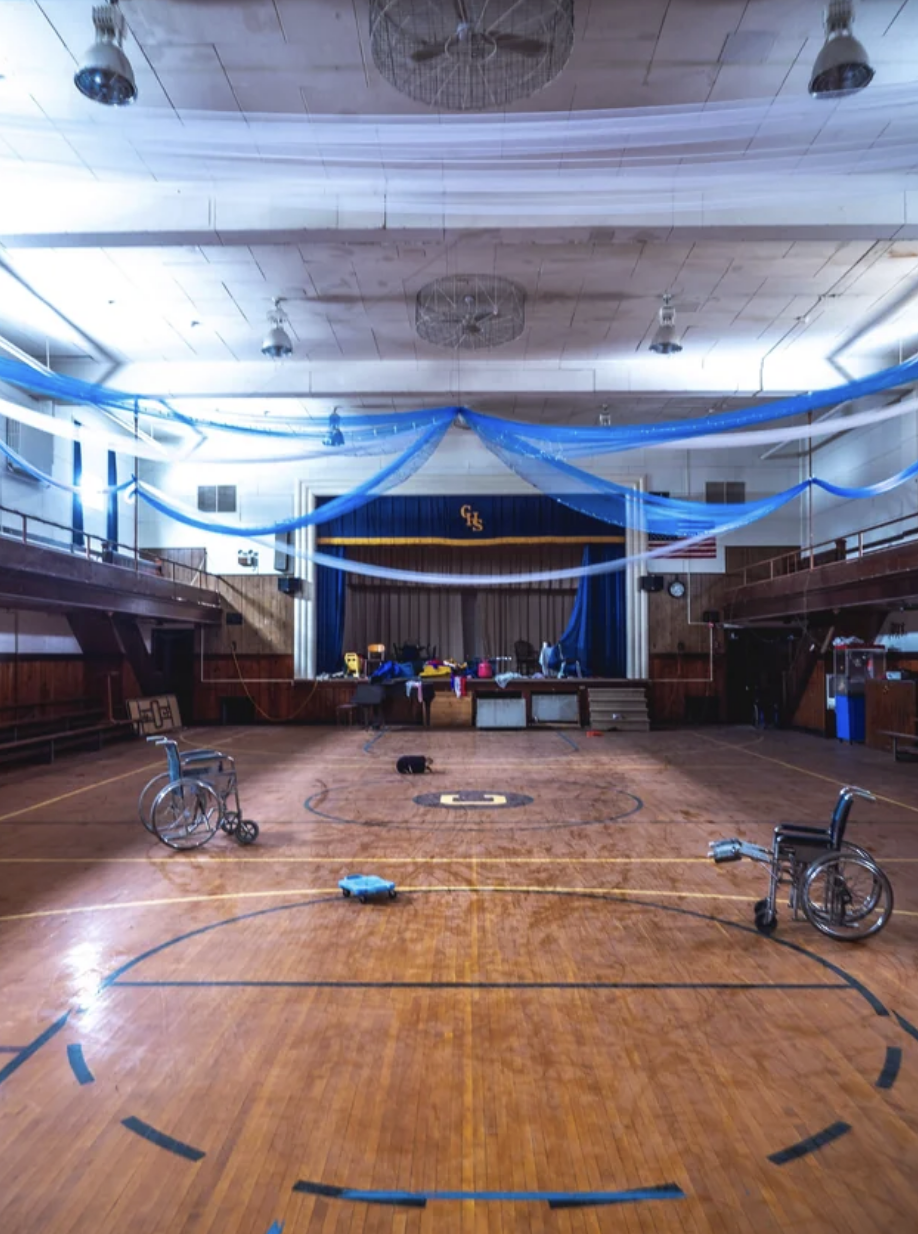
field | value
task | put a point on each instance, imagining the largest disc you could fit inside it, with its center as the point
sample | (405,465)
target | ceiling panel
(624,55)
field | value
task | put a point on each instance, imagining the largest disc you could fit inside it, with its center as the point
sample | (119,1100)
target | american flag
(701,549)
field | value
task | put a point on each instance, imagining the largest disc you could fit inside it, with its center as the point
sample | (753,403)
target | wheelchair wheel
(765,922)
(186,813)
(148,795)
(246,831)
(847,896)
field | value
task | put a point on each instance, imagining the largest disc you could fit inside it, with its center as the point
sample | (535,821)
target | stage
(524,702)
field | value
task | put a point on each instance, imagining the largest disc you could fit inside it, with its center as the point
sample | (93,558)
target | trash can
(850,717)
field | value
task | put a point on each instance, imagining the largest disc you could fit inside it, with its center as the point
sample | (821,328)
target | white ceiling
(313,56)
(761,306)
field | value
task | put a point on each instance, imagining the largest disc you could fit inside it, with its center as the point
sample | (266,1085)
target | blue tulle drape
(331,595)
(541,455)
(76,513)
(111,511)
(596,636)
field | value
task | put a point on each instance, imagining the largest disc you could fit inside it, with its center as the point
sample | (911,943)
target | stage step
(448,711)
(619,708)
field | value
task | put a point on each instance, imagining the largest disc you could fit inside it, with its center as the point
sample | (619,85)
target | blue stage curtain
(77,513)
(331,591)
(111,516)
(596,633)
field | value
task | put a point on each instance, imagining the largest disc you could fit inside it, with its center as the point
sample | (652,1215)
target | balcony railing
(44,533)
(850,547)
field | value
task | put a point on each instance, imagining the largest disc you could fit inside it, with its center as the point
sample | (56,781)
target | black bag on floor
(413,765)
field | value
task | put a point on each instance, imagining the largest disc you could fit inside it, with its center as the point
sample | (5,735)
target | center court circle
(576,803)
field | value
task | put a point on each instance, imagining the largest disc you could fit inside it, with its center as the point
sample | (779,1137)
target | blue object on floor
(365,885)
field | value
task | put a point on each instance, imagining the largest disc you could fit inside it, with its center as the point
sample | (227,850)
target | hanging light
(335,436)
(664,341)
(842,67)
(277,342)
(106,76)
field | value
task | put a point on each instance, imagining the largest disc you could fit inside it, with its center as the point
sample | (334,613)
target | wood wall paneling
(889,707)
(25,680)
(267,618)
(679,689)
(811,711)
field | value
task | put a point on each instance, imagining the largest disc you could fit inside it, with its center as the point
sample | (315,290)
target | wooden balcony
(876,567)
(96,576)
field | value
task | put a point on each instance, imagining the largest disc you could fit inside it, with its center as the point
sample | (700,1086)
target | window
(729,492)
(217,498)
(33,445)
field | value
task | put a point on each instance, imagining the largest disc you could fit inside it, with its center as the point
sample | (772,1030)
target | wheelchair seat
(827,839)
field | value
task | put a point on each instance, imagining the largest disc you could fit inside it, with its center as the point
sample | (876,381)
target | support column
(304,612)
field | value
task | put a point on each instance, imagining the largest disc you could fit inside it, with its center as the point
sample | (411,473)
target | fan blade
(486,315)
(516,42)
(430,52)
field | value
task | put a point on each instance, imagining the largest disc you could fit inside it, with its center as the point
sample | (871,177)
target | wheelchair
(197,795)
(836,885)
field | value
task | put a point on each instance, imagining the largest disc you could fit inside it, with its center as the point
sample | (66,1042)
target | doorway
(172,652)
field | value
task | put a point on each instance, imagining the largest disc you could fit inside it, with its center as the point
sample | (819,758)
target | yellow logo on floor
(474,799)
(460,799)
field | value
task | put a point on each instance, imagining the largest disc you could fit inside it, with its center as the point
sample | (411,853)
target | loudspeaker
(283,561)
(651,582)
(289,585)
(711,616)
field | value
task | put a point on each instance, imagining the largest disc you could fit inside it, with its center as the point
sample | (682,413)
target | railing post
(25,530)
(860,544)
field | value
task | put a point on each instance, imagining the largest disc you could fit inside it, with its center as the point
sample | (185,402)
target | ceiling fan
(471,319)
(474,40)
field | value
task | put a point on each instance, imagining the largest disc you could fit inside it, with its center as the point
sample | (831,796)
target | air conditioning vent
(217,498)
(725,492)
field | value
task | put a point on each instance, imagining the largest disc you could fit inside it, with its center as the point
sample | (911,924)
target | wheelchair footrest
(734,850)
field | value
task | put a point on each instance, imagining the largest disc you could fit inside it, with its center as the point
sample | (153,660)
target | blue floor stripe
(554,1199)
(78,1064)
(277,1228)
(909,1028)
(811,1144)
(890,1072)
(161,1140)
(24,1055)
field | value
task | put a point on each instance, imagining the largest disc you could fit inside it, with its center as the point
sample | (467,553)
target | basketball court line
(805,771)
(86,788)
(205,860)
(326,891)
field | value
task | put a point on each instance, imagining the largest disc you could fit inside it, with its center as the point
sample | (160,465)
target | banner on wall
(466,522)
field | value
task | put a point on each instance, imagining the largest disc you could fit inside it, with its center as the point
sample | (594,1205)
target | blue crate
(365,885)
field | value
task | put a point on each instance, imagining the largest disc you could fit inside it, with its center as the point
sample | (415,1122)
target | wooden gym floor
(564,1022)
